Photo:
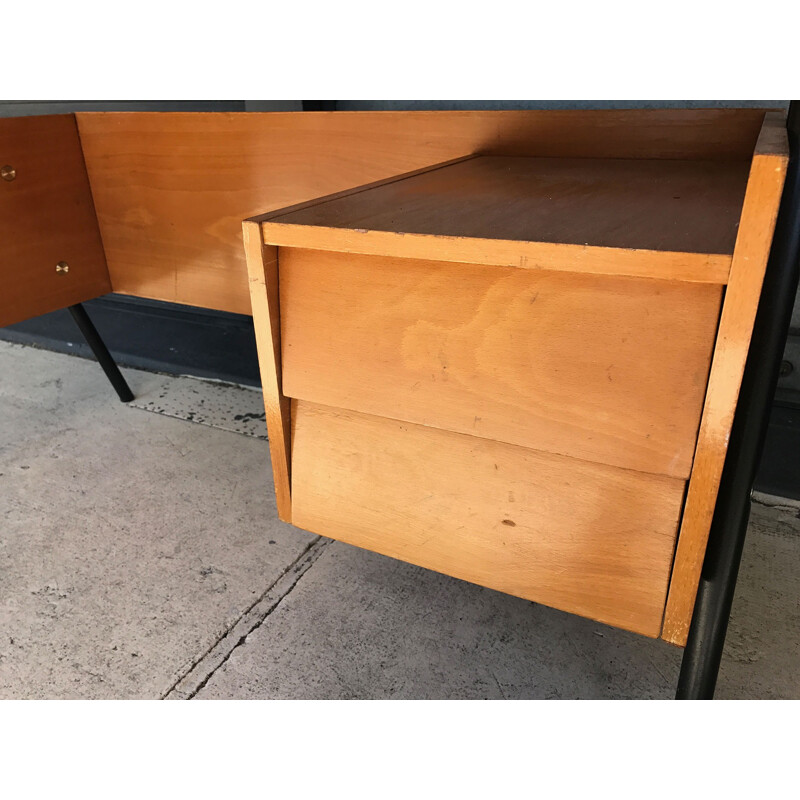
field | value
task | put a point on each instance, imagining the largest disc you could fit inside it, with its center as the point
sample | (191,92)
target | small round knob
(62,266)
(8,173)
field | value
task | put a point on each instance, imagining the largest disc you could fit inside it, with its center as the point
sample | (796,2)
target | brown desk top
(689,206)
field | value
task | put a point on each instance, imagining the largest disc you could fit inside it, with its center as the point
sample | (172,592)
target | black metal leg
(703,653)
(101,352)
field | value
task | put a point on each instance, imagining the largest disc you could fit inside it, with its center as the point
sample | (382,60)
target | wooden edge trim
(316,201)
(670,133)
(262,268)
(665,265)
(76,123)
(759,212)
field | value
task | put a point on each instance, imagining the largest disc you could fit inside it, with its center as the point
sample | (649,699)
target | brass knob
(8,173)
(62,266)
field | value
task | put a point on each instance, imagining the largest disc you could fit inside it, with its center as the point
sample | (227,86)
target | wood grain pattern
(46,216)
(353,190)
(686,267)
(262,266)
(585,538)
(171,189)
(738,315)
(572,364)
(680,206)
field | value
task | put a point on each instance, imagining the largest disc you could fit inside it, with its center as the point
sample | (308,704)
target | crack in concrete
(203,668)
(500,688)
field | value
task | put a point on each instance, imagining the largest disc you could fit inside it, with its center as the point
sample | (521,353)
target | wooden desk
(622,253)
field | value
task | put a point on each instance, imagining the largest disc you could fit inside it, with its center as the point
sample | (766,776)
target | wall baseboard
(151,335)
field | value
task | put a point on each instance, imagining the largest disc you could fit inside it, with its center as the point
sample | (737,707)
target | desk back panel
(46,217)
(171,189)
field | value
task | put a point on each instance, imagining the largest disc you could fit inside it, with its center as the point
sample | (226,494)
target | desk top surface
(663,205)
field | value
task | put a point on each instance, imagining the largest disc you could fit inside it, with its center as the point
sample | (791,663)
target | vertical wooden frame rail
(262,269)
(759,212)
(703,654)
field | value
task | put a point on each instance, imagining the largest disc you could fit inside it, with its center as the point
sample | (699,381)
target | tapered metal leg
(701,660)
(101,352)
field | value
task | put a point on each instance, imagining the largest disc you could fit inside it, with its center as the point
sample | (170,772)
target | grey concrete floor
(141,557)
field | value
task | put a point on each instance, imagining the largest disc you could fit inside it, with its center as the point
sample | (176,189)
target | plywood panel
(171,189)
(585,538)
(736,325)
(608,369)
(687,267)
(262,266)
(678,206)
(46,216)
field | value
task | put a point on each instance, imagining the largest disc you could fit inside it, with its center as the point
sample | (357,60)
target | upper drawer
(603,368)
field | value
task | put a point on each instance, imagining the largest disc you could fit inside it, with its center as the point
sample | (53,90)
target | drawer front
(585,538)
(608,369)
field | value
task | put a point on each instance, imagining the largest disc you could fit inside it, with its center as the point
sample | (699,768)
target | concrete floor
(141,557)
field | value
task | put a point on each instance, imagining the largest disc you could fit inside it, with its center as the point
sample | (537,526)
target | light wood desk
(511,354)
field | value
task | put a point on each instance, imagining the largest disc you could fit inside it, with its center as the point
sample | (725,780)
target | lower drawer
(586,538)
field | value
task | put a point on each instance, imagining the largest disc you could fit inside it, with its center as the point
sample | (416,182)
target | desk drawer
(603,368)
(587,538)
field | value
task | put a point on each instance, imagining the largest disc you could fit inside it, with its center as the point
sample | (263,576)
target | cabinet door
(51,254)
